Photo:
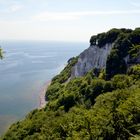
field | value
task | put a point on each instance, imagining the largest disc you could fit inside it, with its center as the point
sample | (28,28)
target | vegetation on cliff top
(126,43)
(89,107)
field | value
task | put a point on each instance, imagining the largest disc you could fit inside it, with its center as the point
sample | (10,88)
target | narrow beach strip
(42,99)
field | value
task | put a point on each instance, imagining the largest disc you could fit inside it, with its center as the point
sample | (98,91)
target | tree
(134,71)
(1,53)
(115,64)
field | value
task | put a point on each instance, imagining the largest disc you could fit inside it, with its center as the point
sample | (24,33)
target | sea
(26,67)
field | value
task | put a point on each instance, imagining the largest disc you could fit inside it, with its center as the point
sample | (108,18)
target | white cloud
(45,16)
(10,9)
(55,16)
(135,3)
(15,8)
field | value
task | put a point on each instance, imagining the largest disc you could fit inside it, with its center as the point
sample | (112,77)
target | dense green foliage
(134,53)
(108,37)
(90,107)
(57,81)
(126,43)
(134,71)
(66,73)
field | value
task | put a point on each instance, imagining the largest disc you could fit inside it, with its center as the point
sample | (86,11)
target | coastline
(42,100)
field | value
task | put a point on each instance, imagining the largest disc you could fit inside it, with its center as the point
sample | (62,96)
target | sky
(65,20)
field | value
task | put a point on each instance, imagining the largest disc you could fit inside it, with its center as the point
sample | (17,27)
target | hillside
(95,97)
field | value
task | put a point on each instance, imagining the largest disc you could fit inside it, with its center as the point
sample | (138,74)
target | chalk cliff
(93,57)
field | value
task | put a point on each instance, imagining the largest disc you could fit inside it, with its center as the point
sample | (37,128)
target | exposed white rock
(127,59)
(93,57)
(130,61)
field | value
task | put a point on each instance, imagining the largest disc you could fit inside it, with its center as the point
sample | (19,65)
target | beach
(42,100)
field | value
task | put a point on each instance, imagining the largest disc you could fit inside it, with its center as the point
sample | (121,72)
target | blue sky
(65,20)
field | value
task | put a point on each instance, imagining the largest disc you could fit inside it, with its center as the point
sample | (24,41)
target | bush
(134,71)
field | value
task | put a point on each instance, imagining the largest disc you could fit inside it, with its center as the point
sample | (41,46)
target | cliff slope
(93,57)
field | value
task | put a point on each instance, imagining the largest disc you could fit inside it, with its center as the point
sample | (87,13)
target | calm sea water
(26,67)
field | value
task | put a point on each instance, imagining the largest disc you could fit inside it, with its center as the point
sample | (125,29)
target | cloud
(55,16)
(135,4)
(15,8)
(10,9)
(45,16)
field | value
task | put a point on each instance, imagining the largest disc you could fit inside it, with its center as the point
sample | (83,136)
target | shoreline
(42,100)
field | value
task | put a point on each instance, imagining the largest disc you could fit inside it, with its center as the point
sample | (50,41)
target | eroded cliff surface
(93,57)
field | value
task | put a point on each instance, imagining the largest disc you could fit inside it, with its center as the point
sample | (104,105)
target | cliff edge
(114,51)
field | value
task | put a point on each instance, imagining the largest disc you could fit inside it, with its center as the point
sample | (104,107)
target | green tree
(115,64)
(1,53)
(134,71)
(134,53)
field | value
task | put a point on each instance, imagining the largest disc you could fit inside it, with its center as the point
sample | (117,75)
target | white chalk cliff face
(93,57)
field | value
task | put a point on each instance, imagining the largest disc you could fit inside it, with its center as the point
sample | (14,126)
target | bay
(26,67)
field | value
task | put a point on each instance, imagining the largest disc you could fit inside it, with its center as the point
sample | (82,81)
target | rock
(93,57)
